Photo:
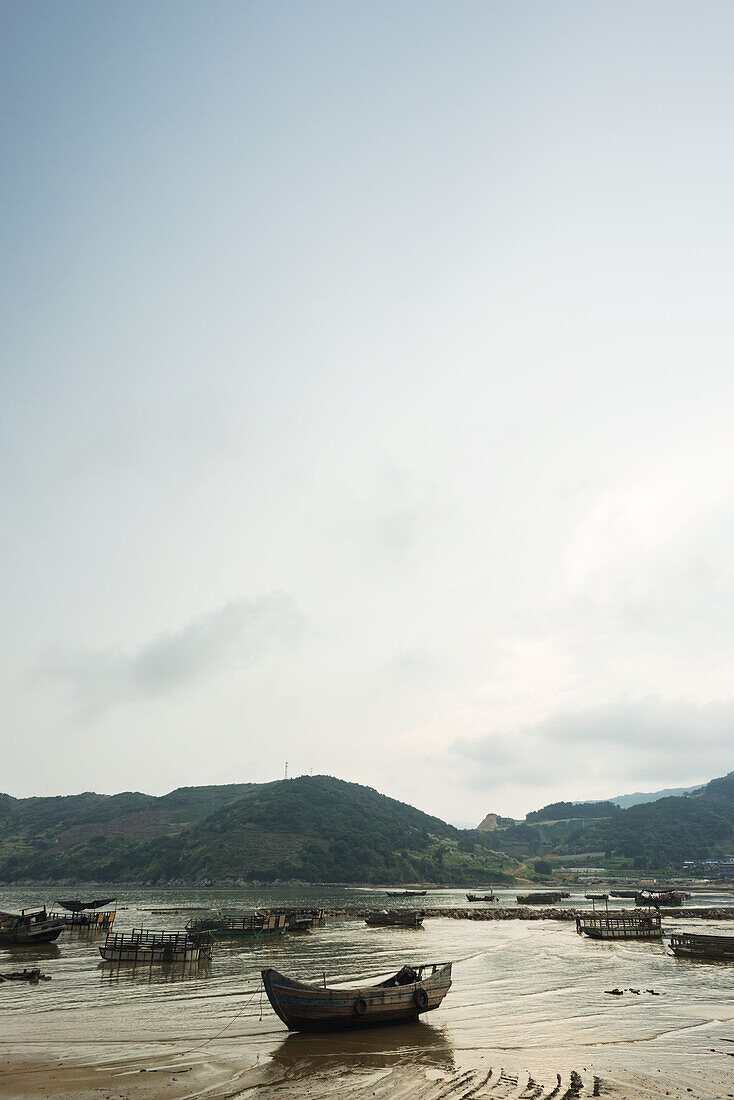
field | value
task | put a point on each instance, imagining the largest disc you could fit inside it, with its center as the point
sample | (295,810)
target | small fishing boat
(147,947)
(687,945)
(396,918)
(298,920)
(542,899)
(660,897)
(406,893)
(619,926)
(241,925)
(398,999)
(481,897)
(30,926)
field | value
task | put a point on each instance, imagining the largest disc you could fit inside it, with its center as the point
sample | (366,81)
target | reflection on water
(154,973)
(300,1056)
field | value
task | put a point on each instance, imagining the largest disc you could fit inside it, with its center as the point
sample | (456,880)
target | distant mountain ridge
(322,829)
(624,801)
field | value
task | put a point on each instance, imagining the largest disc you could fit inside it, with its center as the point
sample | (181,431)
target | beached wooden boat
(396,918)
(406,893)
(687,945)
(30,926)
(550,898)
(619,926)
(398,999)
(147,947)
(481,897)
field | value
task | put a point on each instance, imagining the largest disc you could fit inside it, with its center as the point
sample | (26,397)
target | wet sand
(308,1067)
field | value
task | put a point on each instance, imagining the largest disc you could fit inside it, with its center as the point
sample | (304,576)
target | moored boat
(688,945)
(481,897)
(88,914)
(660,897)
(619,926)
(241,925)
(30,926)
(406,893)
(396,918)
(148,947)
(550,898)
(401,998)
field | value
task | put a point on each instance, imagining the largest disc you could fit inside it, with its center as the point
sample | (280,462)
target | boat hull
(702,948)
(45,932)
(603,927)
(304,1007)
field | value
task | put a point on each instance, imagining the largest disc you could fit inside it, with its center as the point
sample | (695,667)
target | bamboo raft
(399,999)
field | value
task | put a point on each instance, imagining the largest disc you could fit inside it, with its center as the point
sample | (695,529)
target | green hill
(314,828)
(652,835)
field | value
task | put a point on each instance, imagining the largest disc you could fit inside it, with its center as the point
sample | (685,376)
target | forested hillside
(321,829)
(311,829)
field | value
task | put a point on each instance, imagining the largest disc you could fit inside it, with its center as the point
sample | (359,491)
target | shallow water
(529,993)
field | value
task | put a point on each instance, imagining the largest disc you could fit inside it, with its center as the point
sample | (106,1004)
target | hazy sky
(367,396)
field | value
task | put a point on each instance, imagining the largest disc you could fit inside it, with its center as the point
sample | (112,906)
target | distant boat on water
(406,893)
(399,999)
(396,918)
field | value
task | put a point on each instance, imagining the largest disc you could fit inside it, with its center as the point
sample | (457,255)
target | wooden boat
(241,926)
(298,920)
(30,926)
(687,945)
(619,926)
(406,893)
(398,999)
(623,893)
(541,899)
(481,897)
(661,897)
(396,918)
(88,914)
(147,947)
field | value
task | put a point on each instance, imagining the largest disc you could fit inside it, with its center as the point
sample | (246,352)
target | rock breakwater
(527,912)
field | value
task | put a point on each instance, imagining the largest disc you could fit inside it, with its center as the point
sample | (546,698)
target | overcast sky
(367,396)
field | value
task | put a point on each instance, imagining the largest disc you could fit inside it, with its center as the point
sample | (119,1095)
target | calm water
(527,991)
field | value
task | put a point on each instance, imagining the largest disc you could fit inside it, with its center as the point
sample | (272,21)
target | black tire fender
(359,1006)
(421,998)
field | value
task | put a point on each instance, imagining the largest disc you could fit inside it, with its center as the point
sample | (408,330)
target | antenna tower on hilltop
(286,770)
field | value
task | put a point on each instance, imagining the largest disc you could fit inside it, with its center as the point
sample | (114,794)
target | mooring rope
(236,1016)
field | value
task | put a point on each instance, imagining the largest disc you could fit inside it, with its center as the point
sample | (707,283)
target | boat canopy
(76,906)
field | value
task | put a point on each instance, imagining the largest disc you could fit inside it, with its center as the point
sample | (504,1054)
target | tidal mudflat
(528,1016)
